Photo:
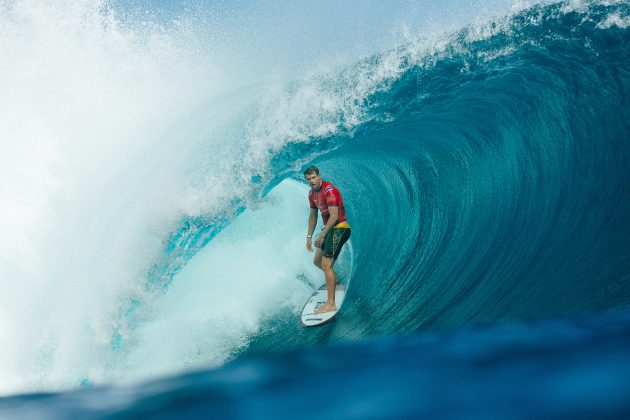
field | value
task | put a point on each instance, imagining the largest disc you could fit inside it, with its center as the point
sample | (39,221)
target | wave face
(485,175)
(498,178)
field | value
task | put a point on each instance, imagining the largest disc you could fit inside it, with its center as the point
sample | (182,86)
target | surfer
(327,198)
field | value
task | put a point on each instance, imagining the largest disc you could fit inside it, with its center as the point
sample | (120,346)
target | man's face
(314,180)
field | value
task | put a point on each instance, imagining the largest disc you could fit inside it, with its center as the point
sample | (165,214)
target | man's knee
(327,263)
(317,260)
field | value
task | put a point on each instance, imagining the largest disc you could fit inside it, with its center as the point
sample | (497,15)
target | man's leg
(331,283)
(317,260)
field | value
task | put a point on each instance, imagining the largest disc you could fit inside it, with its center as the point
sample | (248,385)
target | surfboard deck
(317,299)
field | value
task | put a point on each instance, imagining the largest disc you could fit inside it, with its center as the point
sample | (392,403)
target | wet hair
(312,170)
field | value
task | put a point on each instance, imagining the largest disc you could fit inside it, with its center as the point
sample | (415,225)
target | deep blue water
(489,192)
(551,369)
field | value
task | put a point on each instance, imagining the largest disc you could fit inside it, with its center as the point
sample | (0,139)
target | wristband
(309,236)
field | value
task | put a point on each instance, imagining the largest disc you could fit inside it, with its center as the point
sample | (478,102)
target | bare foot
(326,308)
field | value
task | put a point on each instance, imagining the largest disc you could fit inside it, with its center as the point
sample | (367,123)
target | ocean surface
(154,213)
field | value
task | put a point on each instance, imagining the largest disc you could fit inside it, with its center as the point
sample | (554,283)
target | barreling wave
(487,179)
(485,174)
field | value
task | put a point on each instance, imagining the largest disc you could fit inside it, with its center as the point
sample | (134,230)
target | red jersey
(327,195)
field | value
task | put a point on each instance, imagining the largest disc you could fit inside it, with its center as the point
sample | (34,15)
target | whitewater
(153,211)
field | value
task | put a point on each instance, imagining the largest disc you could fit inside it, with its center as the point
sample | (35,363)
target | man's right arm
(312,222)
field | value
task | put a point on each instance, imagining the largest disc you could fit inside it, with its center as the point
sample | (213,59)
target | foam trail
(83,103)
(254,270)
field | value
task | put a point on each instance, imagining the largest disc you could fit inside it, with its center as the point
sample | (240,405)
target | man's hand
(309,246)
(318,241)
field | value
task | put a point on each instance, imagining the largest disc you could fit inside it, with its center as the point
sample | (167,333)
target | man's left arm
(333,211)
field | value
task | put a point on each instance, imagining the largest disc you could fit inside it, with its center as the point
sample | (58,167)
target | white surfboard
(317,299)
